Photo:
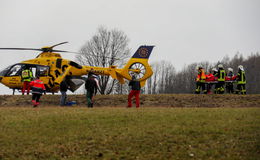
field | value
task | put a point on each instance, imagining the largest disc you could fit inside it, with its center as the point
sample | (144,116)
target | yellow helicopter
(53,69)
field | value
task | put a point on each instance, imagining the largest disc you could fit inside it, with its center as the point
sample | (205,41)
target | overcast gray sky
(183,31)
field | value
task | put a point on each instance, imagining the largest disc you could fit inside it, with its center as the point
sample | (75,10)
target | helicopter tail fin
(137,65)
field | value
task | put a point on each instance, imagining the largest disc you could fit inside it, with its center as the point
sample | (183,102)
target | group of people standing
(222,80)
(91,85)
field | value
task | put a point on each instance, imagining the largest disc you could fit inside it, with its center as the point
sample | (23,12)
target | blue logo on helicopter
(143,52)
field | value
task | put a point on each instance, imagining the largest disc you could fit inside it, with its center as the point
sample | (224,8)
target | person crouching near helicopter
(135,91)
(38,88)
(26,79)
(91,86)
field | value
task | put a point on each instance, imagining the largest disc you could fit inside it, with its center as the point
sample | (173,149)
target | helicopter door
(43,72)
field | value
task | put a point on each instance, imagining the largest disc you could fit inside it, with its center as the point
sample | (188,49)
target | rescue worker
(200,81)
(63,90)
(91,87)
(135,91)
(38,88)
(241,80)
(26,79)
(221,79)
(229,81)
(210,79)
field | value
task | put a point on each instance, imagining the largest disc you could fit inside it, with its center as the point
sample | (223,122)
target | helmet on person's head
(199,67)
(230,69)
(220,66)
(214,69)
(240,67)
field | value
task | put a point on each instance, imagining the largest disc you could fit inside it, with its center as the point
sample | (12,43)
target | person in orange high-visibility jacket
(200,81)
(38,88)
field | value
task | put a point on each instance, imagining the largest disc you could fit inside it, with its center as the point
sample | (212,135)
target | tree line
(167,80)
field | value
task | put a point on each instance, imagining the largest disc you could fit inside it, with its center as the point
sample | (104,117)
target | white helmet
(199,67)
(240,67)
(220,66)
(230,69)
(214,69)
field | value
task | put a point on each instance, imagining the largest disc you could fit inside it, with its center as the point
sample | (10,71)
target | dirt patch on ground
(164,100)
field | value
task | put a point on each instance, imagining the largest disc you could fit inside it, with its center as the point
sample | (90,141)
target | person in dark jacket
(63,90)
(135,91)
(220,86)
(91,87)
(241,80)
(229,79)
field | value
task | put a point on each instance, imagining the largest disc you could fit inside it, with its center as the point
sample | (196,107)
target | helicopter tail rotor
(137,66)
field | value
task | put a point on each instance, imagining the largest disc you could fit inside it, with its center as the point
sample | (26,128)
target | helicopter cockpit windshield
(16,70)
(4,71)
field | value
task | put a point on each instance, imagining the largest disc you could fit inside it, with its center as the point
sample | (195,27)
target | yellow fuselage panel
(12,82)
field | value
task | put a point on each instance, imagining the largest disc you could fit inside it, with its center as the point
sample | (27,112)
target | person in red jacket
(38,88)
(210,79)
(135,91)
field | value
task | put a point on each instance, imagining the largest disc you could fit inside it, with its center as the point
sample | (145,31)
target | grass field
(121,133)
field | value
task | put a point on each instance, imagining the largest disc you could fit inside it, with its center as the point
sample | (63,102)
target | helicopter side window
(42,71)
(15,70)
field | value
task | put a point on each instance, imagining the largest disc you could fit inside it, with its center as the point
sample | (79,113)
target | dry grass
(120,133)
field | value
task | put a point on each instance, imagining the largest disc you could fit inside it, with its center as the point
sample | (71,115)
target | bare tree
(104,49)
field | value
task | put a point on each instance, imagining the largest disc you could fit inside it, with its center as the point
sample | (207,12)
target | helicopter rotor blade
(58,44)
(55,50)
(50,50)
(34,49)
